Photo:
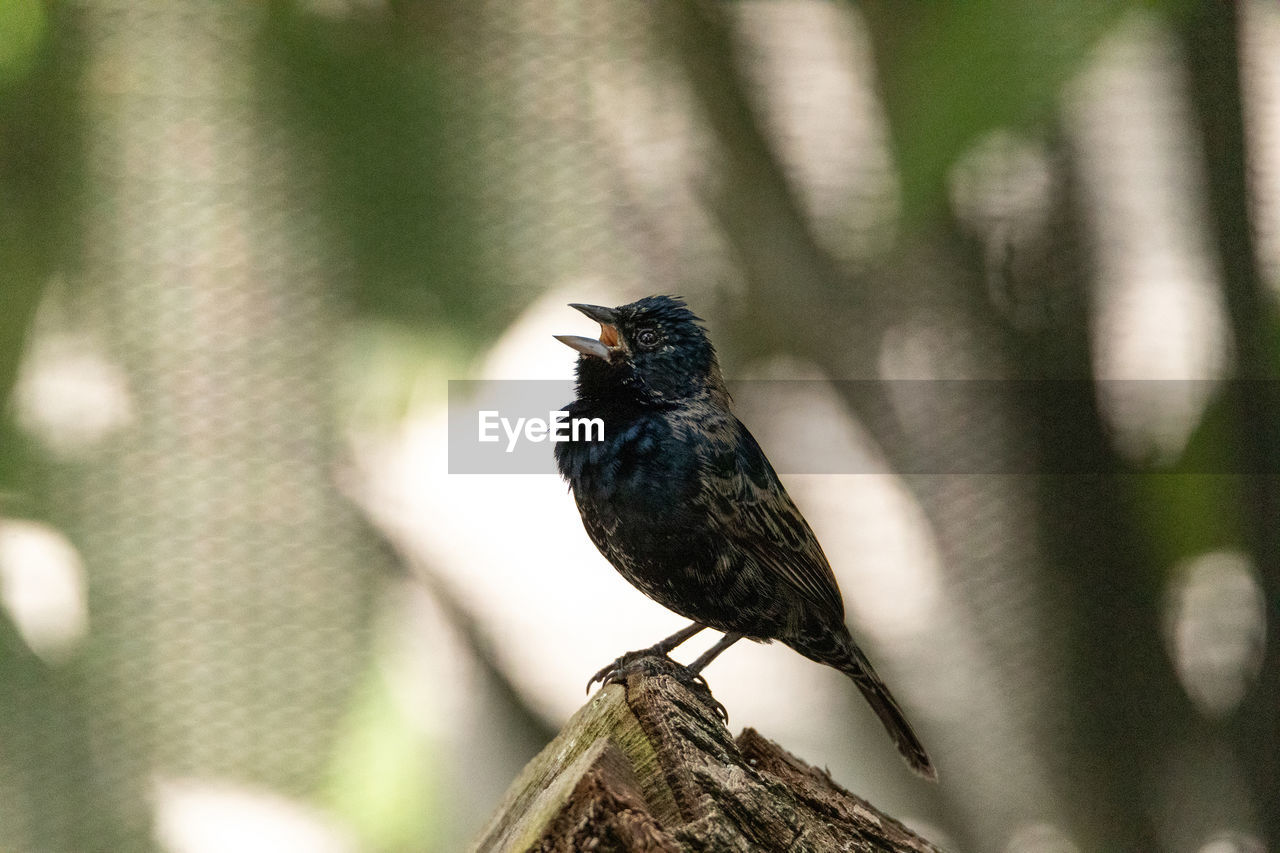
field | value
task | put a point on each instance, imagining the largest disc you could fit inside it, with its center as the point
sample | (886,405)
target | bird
(680,498)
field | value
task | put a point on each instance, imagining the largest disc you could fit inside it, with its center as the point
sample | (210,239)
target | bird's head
(653,349)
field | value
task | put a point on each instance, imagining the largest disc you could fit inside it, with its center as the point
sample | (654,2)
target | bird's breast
(635,488)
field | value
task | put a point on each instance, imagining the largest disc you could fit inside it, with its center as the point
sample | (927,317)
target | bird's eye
(647,338)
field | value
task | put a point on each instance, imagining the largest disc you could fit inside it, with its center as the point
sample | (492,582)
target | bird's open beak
(608,343)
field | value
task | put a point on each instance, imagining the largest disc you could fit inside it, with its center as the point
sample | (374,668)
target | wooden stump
(648,766)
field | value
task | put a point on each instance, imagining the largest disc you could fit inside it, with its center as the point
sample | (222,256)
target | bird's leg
(666,646)
(696,682)
(611,672)
(689,676)
(712,653)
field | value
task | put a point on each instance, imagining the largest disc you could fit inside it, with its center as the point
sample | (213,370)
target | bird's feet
(613,672)
(698,686)
(656,662)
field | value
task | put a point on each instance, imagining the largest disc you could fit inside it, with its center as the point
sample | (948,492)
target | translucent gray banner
(924,427)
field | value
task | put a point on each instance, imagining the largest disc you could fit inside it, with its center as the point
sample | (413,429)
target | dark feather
(749,507)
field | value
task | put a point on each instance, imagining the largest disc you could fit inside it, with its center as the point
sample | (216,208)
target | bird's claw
(696,683)
(613,672)
(657,661)
(605,676)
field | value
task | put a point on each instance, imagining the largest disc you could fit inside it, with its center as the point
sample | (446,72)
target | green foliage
(384,777)
(386,369)
(39,171)
(952,71)
(386,115)
(23,25)
(1201,505)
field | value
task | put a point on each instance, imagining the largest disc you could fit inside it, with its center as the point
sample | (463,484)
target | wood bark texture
(647,765)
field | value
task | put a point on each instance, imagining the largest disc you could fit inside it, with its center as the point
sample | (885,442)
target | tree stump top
(647,765)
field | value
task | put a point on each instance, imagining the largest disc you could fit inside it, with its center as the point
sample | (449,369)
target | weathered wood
(648,766)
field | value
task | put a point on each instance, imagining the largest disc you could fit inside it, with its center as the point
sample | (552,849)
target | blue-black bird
(680,498)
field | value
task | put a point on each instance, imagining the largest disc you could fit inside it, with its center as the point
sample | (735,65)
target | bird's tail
(850,660)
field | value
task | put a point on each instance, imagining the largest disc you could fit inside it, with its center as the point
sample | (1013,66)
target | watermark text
(558,427)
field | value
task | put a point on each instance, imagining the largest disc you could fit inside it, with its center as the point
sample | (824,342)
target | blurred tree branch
(530,725)
(649,767)
(764,224)
(757,208)
(1211,37)
(50,799)
(1106,590)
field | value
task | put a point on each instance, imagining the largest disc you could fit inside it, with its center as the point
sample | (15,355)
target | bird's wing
(748,504)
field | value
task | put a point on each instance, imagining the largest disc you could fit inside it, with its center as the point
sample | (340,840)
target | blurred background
(245,245)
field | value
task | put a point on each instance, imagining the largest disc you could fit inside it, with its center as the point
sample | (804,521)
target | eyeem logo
(557,428)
